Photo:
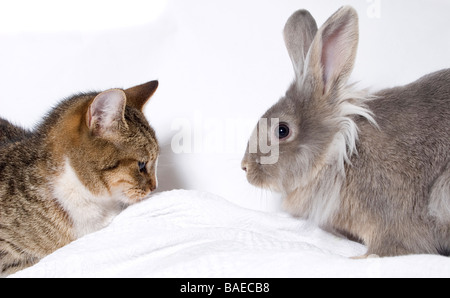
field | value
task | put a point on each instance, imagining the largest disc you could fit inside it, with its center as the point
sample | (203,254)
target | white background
(220,65)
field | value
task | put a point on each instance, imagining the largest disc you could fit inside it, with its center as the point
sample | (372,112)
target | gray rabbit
(375,168)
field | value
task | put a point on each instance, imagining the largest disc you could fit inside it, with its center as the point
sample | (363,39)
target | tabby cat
(92,155)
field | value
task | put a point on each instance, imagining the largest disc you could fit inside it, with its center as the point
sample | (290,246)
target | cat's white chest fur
(88,212)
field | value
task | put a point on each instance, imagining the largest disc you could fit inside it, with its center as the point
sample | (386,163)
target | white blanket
(196,234)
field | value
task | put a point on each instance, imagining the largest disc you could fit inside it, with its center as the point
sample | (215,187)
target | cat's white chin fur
(87,212)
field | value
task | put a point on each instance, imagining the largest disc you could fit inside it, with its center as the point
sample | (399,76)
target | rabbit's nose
(244,166)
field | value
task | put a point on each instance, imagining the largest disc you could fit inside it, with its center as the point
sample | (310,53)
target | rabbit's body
(392,183)
(373,167)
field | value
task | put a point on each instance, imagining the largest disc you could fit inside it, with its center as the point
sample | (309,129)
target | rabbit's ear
(299,33)
(332,54)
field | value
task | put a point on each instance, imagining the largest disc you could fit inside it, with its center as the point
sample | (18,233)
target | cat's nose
(153,183)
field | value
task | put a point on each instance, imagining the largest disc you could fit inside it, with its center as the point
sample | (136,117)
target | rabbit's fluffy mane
(320,189)
(351,103)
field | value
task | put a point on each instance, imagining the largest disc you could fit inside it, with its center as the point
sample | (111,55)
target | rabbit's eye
(282,131)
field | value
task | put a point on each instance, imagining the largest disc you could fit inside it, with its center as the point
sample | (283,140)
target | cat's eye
(112,166)
(282,131)
(142,167)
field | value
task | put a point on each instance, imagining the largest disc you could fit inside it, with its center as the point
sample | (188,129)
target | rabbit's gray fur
(376,167)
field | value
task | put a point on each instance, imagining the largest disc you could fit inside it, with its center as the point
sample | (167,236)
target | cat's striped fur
(92,155)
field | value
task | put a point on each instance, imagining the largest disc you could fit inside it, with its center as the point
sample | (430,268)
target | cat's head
(106,140)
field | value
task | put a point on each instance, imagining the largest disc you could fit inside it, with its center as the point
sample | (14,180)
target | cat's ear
(138,96)
(106,112)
